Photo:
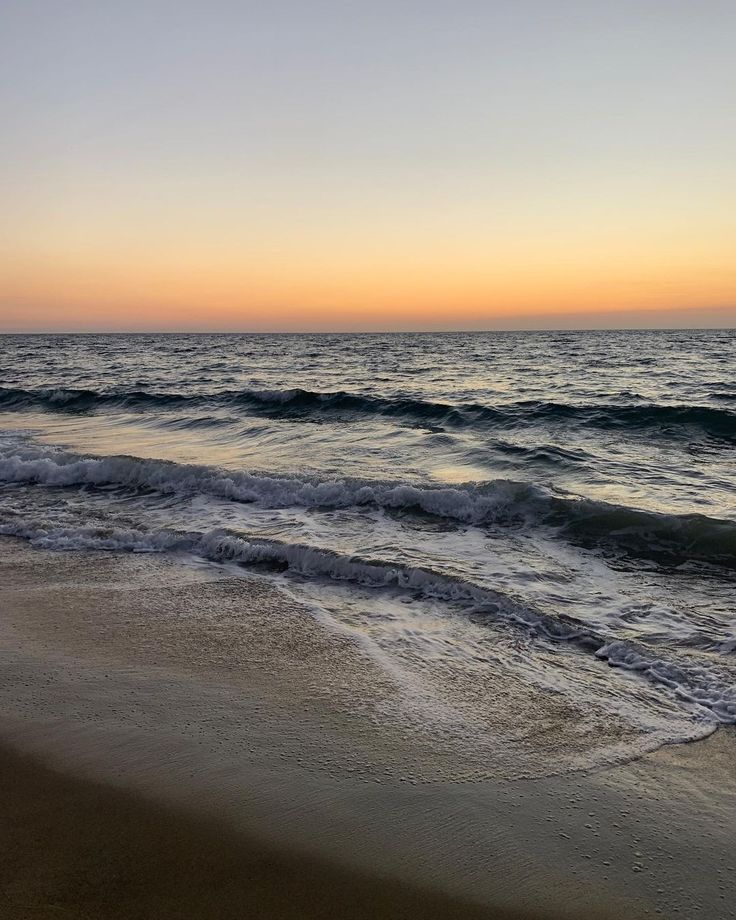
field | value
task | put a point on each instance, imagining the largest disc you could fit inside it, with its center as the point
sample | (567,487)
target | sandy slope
(231,705)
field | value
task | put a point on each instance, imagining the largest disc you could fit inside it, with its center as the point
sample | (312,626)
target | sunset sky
(384,165)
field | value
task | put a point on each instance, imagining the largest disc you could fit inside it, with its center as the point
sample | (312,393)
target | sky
(367,166)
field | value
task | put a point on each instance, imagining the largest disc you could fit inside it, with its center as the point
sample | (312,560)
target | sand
(80,849)
(184,722)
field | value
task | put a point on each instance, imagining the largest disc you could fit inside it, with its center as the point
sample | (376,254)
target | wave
(670,539)
(540,454)
(313,406)
(712,421)
(690,682)
(63,399)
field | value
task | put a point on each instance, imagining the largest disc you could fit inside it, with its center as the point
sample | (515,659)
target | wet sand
(198,722)
(80,849)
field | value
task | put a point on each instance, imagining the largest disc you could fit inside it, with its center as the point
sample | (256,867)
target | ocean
(545,510)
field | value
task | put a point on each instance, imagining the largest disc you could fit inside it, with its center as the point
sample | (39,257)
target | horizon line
(729,328)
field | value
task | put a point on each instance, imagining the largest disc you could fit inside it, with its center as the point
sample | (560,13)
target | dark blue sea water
(561,505)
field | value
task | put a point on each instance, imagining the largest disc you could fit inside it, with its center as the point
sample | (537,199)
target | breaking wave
(671,539)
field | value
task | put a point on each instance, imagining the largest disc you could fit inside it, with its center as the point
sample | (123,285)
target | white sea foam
(469,504)
(703,689)
(644,533)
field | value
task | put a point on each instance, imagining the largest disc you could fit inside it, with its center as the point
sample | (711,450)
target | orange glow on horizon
(303,293)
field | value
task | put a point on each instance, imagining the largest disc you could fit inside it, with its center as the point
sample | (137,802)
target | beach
(367,483)
(78,848)
(220,724)
(413,625)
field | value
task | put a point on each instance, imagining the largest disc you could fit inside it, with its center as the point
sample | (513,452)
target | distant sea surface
(560,507)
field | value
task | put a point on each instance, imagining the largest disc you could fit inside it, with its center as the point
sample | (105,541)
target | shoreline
(223,704)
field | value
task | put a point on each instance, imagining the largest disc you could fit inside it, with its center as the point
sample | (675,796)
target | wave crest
(310,405)
(664,538)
